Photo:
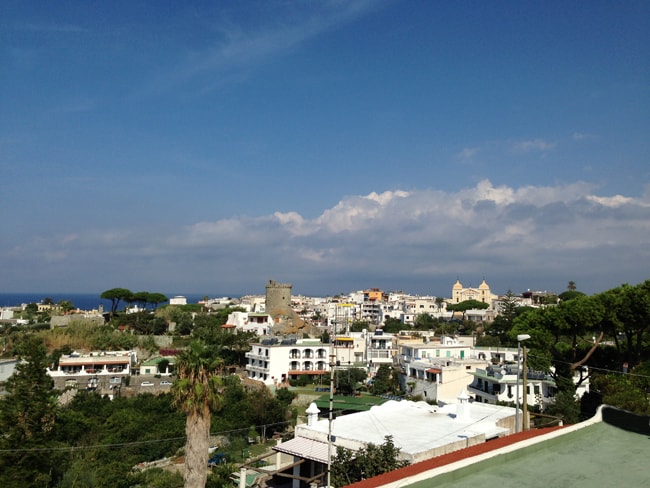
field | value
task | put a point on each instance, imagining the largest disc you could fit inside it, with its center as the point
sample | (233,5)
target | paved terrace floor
(598,455)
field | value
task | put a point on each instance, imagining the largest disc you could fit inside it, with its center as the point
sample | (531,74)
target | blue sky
(207,147)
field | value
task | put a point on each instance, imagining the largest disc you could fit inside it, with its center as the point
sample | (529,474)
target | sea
(82,301)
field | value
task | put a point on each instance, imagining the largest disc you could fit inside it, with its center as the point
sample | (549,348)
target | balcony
(380,355)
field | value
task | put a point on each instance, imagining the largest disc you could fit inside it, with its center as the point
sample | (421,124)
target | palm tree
(198,393)
(571,286)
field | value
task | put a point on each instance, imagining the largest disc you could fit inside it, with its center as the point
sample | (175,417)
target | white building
(275,361)
(178,300)
(260,323)
(445,348)
(421,431)
(459,293)
(93,369)
(7,368)
(6,313)
(439,379)
(499,384)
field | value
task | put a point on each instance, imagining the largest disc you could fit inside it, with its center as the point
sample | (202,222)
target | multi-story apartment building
(274,361)
(499,384)
(381,349)
(436,368)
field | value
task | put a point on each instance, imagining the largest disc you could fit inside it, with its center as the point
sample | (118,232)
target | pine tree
(27,419)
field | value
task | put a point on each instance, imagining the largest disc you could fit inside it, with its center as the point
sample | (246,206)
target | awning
(434,370)
(306,448)
(344,339)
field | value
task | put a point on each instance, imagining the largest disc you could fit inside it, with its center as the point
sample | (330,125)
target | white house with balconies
(93,368)
(499,384)
(260,323)
(274,361)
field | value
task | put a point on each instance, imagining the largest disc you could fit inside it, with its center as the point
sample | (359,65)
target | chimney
(462,409)
(312,414)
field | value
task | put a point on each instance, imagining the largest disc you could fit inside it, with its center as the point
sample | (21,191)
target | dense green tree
(425,321)
(565,296)
(508,306)
(359,326)
(349,466)
(116,295)
(564,336)
(229,345)
(198,393)
(155,299)
(627,318)
(285,396)
(385,381)
(65,305)
(27,420)
(629,391)
(347,380)
(488,341)
(565,406)
(393,325)
(325,337)
(466,305)
(176,315)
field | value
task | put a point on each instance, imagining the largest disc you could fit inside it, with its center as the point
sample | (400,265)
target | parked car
(146,383)
(165,383)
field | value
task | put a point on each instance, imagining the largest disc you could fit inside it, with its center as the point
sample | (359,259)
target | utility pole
(520,338)
(525,385)
(331,405)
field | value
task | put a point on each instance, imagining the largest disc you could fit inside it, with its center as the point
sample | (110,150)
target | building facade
(482,294)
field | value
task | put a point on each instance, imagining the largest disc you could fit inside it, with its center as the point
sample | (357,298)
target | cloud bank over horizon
(419,241)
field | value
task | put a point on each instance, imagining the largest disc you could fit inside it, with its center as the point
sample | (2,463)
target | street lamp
(520,339)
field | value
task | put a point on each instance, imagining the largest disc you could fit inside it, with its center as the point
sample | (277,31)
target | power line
(134,443)
(613,371)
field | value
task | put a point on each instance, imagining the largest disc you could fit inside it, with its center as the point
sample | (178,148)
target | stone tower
(278,297)
(278,306)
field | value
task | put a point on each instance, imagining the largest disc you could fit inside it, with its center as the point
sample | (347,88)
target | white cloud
(238,47)
(467,153)
(581,136)
(532,145)
(512,235)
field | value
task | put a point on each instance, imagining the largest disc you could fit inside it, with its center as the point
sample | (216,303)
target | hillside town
(362,369)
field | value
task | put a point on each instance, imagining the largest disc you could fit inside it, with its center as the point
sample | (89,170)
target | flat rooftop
(591,454)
